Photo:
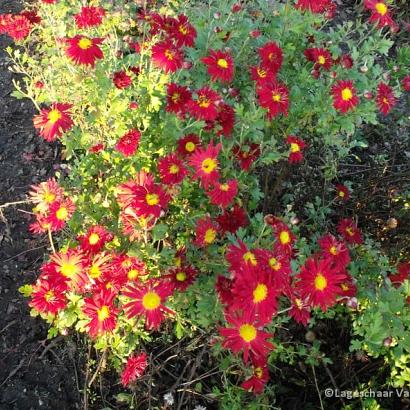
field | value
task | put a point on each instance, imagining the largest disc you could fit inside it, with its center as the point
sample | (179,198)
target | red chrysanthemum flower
(95,239)
(95,149)
(32,15)
(99,269)
(206,232)
(380,13)
(222,194)
(334,250)
(183,32)
(126,191)
(406,83)
(178,98)
(220,66)
(134,369)
(296,147)
(16,26)
(69,266)
(254,292)
(403,273)
(314,6)
(223,287)
(272,57)
(256,383)
(350,232)
(149,200)
(182,277)
(53,121)
(320,283)
(167,57)
(385,99)
(277,265)
(239,256)
(205,105)
(246,336)
(284,238)
(128,143)
(89,17)
(247,154)
(344,96)
(121,80)
(59,213)
(48,296)
(224,122)
(83,50)
(342,192)
(148,300)
(262,75)
(206,164)
(274,97)
(300,310)
(188,144)
(128,268)
(101,311)
(346,61)
(321,57)
(46,193)
(348,289)
(171,169)
(232,220)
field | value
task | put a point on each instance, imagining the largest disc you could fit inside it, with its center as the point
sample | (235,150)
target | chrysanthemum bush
(167,116)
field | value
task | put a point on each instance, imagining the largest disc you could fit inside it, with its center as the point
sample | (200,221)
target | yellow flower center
(177,261)
(151,301)
(103,313)
(95,271)
(204,102)
(222,63)
(274,264)
(169,55)
(126,263)
(381,8)
(132,274)
(349,231)
(344,287)
(258,372)
(347,94)
(175,97)
(333,250)
(385,101)
(250,257)
(208,165)
(183,30)
(260,293)
(276,97)
(320,282)
(294,147)
(248,332)
(224,187)
(85,43)
(53,116)
(68,269)
(284,237)
(93,239)
(174,169)
(190,146)
(48,197)
(180,276)
(62,213)
(321,60)
(49,295)
(261,73)
(152,199)
(341,194)
(210,235)
(298,303)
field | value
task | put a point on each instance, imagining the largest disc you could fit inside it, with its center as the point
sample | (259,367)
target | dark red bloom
(335,251)
(349,230)
(128,143)
(178,98)
(232,220)
(247,154)
(121,80)
(406,83)
(83,50)
(260,376)
(380,13)
(48,295)
(94,239)
(182,277)
(342,192)
(171,169)
(206,164)
(183,32)
(89,17)
(134,368)
(167,57)
(344,96)
(403,273)
(321,57)
(222,194)
(296,147)
(188,144)
(220,66)
(272,57)
(205,105)
(274,97)
(385,99)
